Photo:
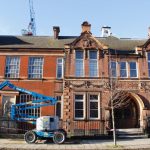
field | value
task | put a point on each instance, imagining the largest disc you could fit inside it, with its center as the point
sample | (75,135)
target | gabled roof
(51,43)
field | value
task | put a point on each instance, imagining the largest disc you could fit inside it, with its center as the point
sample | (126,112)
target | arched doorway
(130,116)
(127,117)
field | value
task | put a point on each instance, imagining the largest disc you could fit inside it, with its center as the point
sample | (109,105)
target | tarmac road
(76,144)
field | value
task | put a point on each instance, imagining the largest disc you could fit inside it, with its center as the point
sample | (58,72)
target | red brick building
(79,72)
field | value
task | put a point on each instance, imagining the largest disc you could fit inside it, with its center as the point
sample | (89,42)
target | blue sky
(128,18)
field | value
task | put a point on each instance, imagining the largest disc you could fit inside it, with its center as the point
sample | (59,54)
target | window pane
(79,97)
(123,71)
(133,73)
(148,65)
(79,106)
(93,114)
(93,68)
(59,68)
(113,69)
(79,68)
(93,97)
(93,54)
(12,67)
(148,56)
(79,54)
(35,68)
(94,106)
(78,113)
(133,69)
(132,65)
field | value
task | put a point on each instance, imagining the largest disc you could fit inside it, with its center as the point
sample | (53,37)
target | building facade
(83,73)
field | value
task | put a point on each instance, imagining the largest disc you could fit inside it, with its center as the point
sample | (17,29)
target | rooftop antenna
(31,27)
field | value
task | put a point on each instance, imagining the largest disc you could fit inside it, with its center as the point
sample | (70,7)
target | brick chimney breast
(56,30)
(86,27)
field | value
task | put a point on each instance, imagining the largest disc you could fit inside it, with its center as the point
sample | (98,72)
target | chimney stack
(106,31)
(56,30)
(86,27)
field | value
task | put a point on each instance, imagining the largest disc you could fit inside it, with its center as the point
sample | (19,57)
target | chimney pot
(86,27)
(56,30)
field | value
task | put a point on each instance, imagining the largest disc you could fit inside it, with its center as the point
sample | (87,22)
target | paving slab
(98,144)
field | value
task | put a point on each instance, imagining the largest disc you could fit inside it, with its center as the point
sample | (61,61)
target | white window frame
(62,67)
(132,69)
(95,60)
(110,70)
(84,103)
(12,72)
(82,66)
(98,101)
(31,74)
(123,69)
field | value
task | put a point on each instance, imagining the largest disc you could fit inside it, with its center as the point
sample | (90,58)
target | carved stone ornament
(145,86)
(86,40)
(89,84)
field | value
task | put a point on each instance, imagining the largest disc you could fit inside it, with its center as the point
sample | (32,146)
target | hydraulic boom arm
(38,100)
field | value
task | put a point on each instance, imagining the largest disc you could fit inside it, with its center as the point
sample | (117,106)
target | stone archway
(130,116)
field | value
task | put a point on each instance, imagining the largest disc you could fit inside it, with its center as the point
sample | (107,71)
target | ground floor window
(94,106)
(86,106)
(24,98)
(79,106)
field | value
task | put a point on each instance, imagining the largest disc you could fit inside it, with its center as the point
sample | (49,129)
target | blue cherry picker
(46,126)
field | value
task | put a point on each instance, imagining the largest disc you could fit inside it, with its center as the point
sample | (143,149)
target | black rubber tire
(30,137)
(59,137)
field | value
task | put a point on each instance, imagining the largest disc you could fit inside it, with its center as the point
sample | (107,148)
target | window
(94,106)
(24,98)
(93,66)
(86,105)
(59,68)
(79,70)
(35,70)
(12,67)
(113,69)
(133,69)
(148,54)
(123,69)
(58,108)
(79,106)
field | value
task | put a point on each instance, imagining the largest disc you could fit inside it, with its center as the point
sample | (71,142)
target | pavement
(77,144)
